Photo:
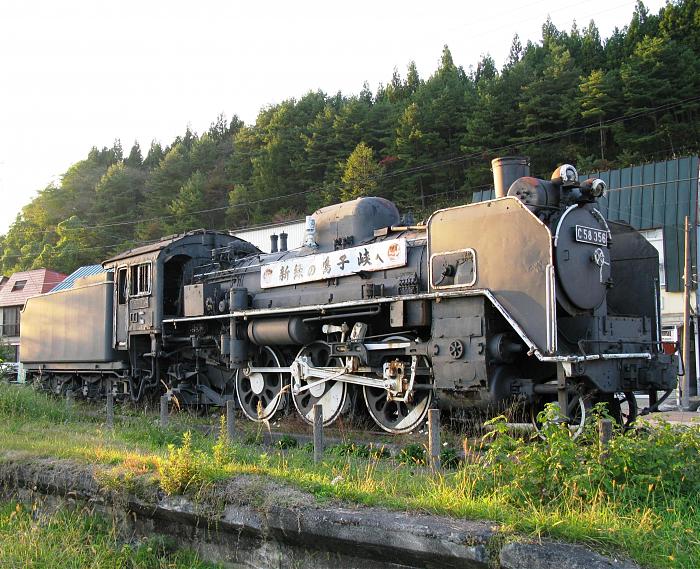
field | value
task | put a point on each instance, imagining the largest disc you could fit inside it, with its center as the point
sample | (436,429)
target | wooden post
(605,431)
(318,433)
(164,411)
(230,420)
(434,438)
(110,406)
(684,383)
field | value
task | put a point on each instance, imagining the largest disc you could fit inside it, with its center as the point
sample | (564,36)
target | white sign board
(365,258)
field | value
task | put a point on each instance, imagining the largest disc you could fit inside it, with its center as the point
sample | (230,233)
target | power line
(618,210)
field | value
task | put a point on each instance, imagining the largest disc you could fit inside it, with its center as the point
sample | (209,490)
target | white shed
(260,235)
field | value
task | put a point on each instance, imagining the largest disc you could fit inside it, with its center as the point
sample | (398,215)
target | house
(14,292)
(79,273)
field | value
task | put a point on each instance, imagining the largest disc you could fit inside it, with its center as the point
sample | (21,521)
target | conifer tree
(361,174)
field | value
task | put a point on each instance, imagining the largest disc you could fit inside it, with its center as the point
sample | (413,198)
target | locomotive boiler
(530,297)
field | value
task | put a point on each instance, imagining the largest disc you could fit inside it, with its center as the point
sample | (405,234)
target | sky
(76,74)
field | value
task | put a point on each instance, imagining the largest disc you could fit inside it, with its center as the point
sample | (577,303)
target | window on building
(19,285)
(10,321)
(141,279)
(656,238)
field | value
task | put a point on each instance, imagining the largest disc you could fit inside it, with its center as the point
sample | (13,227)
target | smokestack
(506,170)
(273,243)
(283,241)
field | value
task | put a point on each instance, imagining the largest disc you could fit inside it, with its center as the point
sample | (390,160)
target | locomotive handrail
(254,312)
(593,357)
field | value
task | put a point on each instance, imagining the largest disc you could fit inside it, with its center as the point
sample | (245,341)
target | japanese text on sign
(372,257)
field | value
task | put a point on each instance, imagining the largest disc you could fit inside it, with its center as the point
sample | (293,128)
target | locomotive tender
(530,297)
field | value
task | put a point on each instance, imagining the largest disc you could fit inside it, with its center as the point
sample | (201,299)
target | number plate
(591,235)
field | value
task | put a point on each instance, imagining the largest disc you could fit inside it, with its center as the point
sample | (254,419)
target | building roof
(20,286)
(81,272)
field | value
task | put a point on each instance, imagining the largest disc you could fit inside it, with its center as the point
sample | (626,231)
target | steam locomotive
(531,297)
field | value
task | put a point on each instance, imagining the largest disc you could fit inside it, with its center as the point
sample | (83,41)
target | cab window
(141,279)
(121,285)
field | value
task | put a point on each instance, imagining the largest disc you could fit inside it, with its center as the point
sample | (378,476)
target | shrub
(222,451)
(360,450)
(253,439)
(378,452)
(181,468)
(350,449)
(287,442)
(413,454)
(663,459)
(449,458)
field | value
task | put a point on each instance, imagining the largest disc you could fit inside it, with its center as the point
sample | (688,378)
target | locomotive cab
(150,286)
(150,280)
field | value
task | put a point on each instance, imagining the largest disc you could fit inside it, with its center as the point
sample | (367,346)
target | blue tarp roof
(85,271)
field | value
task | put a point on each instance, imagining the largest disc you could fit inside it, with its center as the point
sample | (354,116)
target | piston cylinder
(281,331)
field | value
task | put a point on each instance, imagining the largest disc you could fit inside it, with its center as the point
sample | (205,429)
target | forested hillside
(422,142)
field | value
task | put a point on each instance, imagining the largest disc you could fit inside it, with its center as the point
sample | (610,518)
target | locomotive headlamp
(568,174)
(593,188)
(598,188)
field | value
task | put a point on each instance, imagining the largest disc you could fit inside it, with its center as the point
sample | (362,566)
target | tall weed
(181,468)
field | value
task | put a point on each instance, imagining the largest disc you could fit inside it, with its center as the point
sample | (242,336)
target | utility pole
(684,383)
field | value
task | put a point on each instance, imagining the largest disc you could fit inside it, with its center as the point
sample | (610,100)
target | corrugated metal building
(86,271)
(657,196)
(260,235)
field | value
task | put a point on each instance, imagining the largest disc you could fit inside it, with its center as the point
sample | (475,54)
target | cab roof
(171,239)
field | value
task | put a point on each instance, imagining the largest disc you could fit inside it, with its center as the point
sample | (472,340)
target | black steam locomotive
(530,297)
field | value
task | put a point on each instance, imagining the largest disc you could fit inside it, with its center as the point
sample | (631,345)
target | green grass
(78,539)
(641,500)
